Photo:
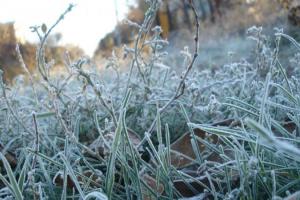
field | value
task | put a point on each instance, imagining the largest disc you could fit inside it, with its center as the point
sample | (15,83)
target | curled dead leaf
(10,157)
(151,182)
(95,179)
(183,157)
(182,153)
(102,147)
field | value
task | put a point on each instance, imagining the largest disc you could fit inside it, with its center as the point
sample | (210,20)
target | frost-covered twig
(181,86)
(40,54)
(149,18)
(40,57)
(11,110)
(21,60)
(98,94)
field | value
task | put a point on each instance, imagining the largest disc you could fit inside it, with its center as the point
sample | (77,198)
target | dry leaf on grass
(151,182)
(182,151)
(59,179)
(134,138)
(183,156)
(10,157)
(101,149)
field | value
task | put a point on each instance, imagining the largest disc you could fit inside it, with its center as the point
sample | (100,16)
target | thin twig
(37,147)
(21,60)
(99,95)
(14,114)
(40,55)
(144,28)
(181,86)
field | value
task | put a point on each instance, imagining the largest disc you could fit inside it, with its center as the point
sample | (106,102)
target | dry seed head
(44,28)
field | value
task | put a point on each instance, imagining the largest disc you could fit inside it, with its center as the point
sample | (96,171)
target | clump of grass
(85,136)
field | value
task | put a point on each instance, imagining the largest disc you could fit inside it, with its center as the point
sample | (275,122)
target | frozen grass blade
(156,154)
(285,147)
(96,195)
(50,160)
(256,159)
(193,137)
(292,40)
(219,131)
(109,181)
(23,173)
(168,145)
(263,106)
(244,110)
(65,174)
(213,189)
(133,158)
(46,175)
(13,185)
(72,175)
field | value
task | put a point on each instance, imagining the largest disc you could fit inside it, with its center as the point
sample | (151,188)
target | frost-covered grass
(85,135)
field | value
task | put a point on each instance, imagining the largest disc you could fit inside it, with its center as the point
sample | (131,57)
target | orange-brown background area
(219,19)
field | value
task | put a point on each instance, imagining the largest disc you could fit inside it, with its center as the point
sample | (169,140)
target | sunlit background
(92,18)
(96,28)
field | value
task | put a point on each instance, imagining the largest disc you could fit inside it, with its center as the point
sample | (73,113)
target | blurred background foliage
(223,22)
(9,62)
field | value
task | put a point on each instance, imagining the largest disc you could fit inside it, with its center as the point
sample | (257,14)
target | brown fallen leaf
(194,186)
(10,157)
(59,179)
(151,182)
(182,153)
(101,149)
(134,138)
(189,189)
(289,126)
(183,156)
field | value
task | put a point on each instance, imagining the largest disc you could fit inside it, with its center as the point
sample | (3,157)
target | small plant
(150,132)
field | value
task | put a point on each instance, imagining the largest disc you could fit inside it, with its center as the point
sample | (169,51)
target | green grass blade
(16,191)
(110,174)
(22,176)
(289,149)
(72,175)
(96,195)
